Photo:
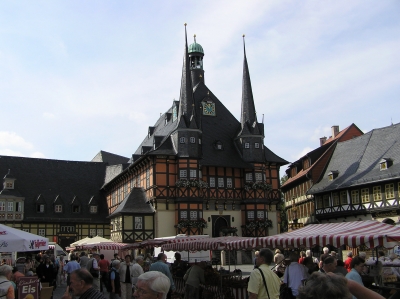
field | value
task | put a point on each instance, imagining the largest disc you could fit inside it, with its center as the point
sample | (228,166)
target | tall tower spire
(248,109)
(186,96)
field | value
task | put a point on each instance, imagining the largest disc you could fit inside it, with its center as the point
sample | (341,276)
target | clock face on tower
(208,108)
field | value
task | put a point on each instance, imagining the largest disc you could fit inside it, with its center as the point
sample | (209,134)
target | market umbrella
(15,240)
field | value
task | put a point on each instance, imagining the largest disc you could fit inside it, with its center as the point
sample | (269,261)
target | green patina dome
(196,48)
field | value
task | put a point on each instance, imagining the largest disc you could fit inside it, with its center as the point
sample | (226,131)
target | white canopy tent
(15,240)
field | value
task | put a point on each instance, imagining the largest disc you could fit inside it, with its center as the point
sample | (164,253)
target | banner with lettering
(28,288)
(15,240)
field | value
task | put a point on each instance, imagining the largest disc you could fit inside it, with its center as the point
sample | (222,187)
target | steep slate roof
(46,179)
(111,159)
(135,202)
(357,160)
(316,154)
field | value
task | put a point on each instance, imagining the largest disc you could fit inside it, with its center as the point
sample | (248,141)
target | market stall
(15,240)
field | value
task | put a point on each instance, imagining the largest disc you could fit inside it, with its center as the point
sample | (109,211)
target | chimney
(322,141)
(335,131)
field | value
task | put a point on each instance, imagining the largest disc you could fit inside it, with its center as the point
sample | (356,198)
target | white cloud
(304,152)
(37,155)
(9,152)
(11,139)
(48,115)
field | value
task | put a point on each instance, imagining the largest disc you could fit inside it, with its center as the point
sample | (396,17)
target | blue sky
(77,77)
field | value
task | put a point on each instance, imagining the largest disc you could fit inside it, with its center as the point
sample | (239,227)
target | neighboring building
(305,172)
(362,179)
(197,171)
(57,199)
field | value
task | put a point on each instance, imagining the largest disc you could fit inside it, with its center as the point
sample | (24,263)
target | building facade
(198,170)
(305,172)
(361,180)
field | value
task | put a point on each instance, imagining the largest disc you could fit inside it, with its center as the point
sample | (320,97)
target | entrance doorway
(219,222)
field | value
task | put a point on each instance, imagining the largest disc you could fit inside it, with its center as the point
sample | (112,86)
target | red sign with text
(28,288)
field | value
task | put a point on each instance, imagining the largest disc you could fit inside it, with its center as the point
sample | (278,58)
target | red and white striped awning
(369,233)
(160,241)
(220,243)
(102,246)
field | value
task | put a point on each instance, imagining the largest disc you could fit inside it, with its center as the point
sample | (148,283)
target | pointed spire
(248,108)
(186,96)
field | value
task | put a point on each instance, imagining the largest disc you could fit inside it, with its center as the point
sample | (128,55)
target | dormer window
(9,185)
(76,209)
(293,171)
(385,163)
(192,140)
(256,145)
(58,208)
(182,140)
(40,208)
(93,209)
(246,145)
(306,163)
(333,175)
(218,145)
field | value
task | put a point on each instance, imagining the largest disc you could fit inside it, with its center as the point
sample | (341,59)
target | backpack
(95,273)
(116,281)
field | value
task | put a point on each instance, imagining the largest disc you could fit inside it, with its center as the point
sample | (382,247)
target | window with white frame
(100,232)
(193,173)
(258,176)
(182,140)
(221,182)
(260,215)
(92,232)
(335,197)
(58,208)
(246,145)
(355,199)
(364,195)
(229,183)
(199,141)
(93,209)
(250,215)
(249,177)
(184,215)
(377,194)
(212,182)
(192,140)
(147,178)
(42,232)
(182,173)
(256,145)
(343,197)
(10,206)
(193,215)
(2,206)
(389,191)
(138,222)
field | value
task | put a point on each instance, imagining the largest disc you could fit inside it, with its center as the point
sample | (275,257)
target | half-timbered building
(304,172)
(198,170)
(362,179)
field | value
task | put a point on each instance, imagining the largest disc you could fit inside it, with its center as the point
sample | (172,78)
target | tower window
(193,173)
(183,174)
(256,145)
(199,141)
(182,140)
(250,215)
(184,215)
(192,140)
(246,145)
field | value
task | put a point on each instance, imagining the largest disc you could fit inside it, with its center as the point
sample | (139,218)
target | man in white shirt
(295,274)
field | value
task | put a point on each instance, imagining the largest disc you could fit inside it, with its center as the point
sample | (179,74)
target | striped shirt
(92,294)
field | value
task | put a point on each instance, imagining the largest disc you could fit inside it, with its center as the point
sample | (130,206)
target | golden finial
(185,24)
(194,36)
(243,35)
(200,76)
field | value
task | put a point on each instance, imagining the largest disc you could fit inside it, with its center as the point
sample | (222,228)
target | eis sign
(28,288)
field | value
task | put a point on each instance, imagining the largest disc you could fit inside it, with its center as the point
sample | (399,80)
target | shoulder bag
(265,284)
